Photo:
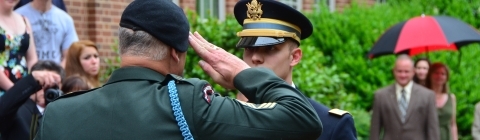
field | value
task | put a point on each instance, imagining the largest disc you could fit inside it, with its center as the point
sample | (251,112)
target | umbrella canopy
(424,34)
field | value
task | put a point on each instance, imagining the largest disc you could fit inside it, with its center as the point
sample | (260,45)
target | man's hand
(219,64)
(46,78)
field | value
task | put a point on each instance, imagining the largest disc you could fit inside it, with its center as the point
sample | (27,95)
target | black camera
(51,94)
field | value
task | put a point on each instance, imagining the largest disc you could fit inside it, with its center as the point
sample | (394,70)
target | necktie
(34,125)
(403,105)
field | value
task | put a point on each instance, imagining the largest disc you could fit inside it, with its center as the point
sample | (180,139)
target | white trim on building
(212,8)
(176,2)
(297,4)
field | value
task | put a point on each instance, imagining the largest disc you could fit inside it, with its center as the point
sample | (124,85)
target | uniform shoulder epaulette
(71,94)
(170,77)
(338,112)
(176,77)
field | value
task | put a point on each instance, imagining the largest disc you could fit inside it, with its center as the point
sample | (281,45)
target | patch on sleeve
(269,105)
(208,93)
(338,112)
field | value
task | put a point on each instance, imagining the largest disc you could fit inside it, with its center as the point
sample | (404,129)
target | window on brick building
(176,2)
(330,4)
(297,4)
(211,8)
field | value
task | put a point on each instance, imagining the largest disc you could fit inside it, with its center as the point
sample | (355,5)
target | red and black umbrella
(425,34)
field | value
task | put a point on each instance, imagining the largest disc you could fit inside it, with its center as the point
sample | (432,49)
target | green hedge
(345,39)
(334,69)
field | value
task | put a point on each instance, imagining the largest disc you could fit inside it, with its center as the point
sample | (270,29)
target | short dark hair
(50,66)
(74,83)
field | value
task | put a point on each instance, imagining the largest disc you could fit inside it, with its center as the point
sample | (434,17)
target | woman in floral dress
(17,49)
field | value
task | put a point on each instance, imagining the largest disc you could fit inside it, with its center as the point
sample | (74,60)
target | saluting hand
(218,63)
(46,78)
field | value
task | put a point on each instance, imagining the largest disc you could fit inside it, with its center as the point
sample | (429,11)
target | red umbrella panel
(425,34)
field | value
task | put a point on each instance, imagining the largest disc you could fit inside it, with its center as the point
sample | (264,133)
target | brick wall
(307,4)
(97,20)
(340,4)
(188,4)
(230,4)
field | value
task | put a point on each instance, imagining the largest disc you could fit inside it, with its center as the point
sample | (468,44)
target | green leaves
(345,38)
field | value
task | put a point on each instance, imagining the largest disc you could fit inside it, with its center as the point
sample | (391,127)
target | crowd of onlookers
(421,99)
(41,30)
(435,77)
(39,36)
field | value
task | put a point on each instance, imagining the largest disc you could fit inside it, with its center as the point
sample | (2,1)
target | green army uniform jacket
(135,105)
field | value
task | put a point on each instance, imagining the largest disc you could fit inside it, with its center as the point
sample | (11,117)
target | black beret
(269,22)
(162,19)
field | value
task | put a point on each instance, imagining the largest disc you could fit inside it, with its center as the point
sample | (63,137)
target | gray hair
(405,57)
(140,43)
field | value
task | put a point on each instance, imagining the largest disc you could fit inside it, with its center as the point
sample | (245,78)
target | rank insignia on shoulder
(177,77)
(171,77)
(208,93)
(75,93)
(258,106)
(338,112)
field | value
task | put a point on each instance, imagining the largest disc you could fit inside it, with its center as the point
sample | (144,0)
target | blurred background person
(74,83)
(83,60)
(53,29)
(404,110)
(24,103)
(421,70)
(59,3)
(437,79)
(16,46)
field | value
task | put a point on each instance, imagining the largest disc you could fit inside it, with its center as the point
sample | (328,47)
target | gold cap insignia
(338,112)
(254,11)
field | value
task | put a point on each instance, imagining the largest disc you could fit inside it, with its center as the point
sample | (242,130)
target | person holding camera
(23,104)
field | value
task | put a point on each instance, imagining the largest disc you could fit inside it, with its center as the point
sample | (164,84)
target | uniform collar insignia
(254,11)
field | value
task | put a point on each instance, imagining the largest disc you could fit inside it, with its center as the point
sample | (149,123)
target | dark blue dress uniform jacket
(335,127)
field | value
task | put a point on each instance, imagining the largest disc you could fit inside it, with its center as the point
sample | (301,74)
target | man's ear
(296,55)
(174,54)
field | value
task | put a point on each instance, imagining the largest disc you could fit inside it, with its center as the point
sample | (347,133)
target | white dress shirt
(408,91)
(40,109)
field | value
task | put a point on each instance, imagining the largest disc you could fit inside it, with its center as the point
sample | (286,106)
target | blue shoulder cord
(177,111)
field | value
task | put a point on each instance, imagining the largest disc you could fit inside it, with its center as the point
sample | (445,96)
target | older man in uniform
(270,38)
(146,99)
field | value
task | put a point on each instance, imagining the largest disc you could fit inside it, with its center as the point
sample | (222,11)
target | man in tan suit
(404,110)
